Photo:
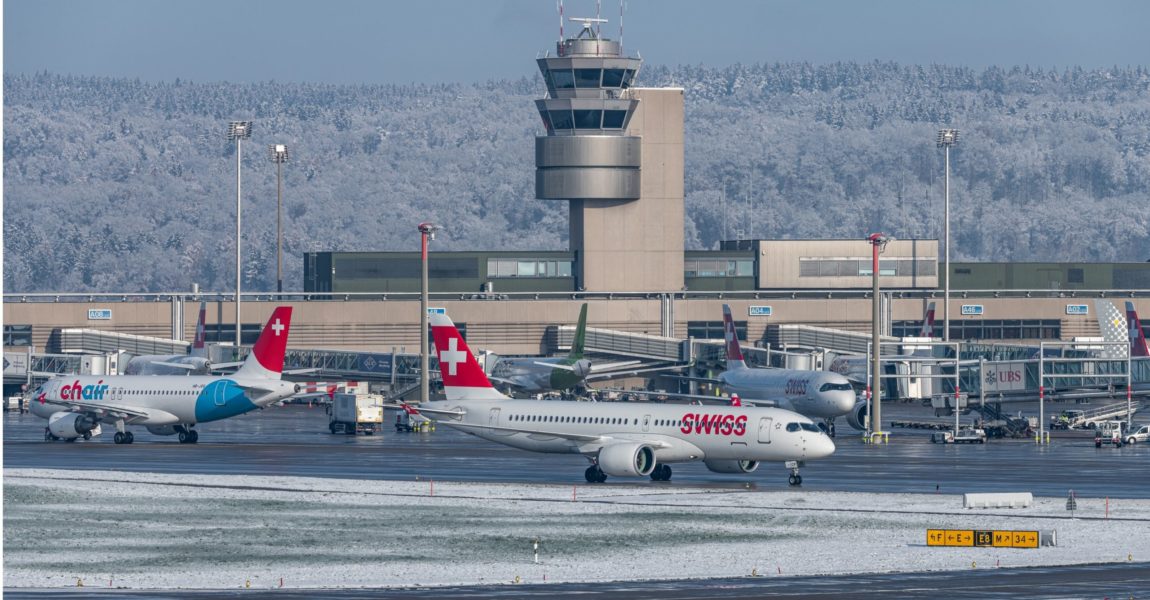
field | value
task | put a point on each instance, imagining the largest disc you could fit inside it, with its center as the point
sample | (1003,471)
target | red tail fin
(731,337)
(927,322)
(463,377)
(267,357)
(1138,345)
(198,343)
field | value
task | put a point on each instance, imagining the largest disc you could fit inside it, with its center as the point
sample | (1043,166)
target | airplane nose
(820,447)
(845,402)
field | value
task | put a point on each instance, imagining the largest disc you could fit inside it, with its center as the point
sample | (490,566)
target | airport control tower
(615,152)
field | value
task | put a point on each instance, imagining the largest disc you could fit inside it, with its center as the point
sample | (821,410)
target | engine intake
(732,466)
(857,416)
(627,460)
(70,425)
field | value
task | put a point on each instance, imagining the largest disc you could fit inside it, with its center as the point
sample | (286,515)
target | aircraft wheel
(128,437)
(47,435)
(118,438)
(195,436)
(795,480)
(184,437)
(87,435)
(590,474)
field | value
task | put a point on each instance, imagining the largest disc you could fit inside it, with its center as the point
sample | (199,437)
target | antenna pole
(621,27)
(598,26)
(560,20)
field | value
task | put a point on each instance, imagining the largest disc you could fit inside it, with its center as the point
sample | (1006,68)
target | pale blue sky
(375,41)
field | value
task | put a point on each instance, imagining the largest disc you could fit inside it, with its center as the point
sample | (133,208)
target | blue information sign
(759,311)
(972,309)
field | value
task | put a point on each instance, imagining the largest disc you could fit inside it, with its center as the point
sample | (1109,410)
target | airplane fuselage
(676,433)
(815,394)
(169,399)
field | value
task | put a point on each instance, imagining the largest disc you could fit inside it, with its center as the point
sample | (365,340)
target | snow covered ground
(145,530)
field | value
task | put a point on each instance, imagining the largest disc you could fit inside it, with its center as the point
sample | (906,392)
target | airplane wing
(129,414)
(615,366)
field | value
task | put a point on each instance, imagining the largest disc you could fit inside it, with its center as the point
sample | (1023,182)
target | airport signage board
(759,311)
(1004,376)
(15,364)
(975,538)
(971,309)
(99,314)
(374,363)
(433,310)
(1077,309)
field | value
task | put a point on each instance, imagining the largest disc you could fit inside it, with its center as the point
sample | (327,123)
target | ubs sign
(1004,376)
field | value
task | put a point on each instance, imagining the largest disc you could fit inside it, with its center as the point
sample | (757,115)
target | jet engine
(857,416)
(70,425)
(732,466)
(627,460)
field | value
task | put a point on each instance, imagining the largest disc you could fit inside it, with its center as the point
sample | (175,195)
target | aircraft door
(493,417)
(765,430)
(221,394)
(646,422)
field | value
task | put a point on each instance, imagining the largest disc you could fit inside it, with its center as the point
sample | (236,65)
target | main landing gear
(828,426)
(794,478)
(594,474)
(123,437)
(661,472)
(188,435)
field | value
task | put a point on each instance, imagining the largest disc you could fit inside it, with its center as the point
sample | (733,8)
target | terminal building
(614,152)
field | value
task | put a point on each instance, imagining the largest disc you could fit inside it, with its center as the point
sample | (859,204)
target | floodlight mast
(946,139)
(426,233)
(238,131)
(279,155)
(878,242)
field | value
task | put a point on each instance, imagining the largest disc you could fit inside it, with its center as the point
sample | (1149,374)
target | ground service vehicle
(1142,434)
(354,413)
(1109,432)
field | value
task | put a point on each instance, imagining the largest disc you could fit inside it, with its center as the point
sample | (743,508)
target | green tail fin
(580,334)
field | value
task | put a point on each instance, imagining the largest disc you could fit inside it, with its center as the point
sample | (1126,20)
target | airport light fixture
(279,155)
(946,139)
(426,234)
(878,242)
(238,131)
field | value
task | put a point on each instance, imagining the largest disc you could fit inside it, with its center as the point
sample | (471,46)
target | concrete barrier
(1001,500)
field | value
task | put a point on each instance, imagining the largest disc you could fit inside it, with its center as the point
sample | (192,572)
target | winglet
(734,352)
(580,334)
(1138,344)
(463,377)
(267,357)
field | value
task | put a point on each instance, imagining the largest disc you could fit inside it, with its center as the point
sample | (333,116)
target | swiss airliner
(619,439)
(75,406)
(194,363)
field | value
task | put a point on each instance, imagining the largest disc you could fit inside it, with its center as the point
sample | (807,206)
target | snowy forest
(121,185)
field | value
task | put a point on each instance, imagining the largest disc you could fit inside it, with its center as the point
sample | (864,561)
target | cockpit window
(810,427)
(826,387)
(792,427)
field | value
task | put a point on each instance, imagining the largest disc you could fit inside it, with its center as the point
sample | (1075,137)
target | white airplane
(194,363)
(75,405)
(815,394)
(619,439)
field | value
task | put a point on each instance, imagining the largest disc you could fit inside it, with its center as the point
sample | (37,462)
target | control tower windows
(588,119)
(546,120)
(561,119)
(614,119)
(563,79)
(613,78)
(587,78)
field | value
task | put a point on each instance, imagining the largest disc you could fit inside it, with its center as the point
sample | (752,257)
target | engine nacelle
(70,425)
(857,416)
(732,466)
(162,429)
(627,460)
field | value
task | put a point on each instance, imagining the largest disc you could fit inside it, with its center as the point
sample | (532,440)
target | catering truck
(356,413)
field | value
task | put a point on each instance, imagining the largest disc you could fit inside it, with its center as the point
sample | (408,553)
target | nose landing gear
(794,479)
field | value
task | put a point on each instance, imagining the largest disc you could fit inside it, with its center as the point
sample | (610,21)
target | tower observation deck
(615,152)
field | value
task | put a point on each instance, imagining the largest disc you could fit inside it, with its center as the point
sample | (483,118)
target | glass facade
(527,267)
(718,268)
(864,267)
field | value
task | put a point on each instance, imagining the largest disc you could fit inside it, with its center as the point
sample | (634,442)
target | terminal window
(527,267)
(718,268)
(17,335)
(864,267)
(713,330)
(988,329)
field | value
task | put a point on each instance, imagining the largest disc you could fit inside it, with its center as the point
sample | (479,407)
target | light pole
(878,242)
(238,131)
(279,155)
(946,139)
(426,234)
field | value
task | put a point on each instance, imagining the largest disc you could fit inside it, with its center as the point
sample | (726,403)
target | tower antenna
(620,27)
(560,21)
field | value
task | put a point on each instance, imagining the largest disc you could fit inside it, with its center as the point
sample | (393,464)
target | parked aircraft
(619,439)
(815,394)
(76,405)
(855,367)
(535,374)
(1138,345)
(194,363)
